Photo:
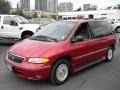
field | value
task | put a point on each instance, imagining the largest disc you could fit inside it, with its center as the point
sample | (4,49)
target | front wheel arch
(67,58)
(53,78)
(27,32)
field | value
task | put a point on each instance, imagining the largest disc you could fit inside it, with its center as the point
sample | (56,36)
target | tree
(20,13)
(80,17)
(108,8)
(117,7)
(35,15)
(4,7)
(54,17)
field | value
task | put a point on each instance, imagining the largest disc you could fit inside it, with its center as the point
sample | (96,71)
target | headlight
(38,60)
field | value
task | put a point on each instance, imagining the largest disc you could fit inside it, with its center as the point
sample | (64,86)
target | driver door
(8,30)
(83,51)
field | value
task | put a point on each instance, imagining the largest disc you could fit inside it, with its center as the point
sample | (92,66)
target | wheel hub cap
(62,72)
(110,54)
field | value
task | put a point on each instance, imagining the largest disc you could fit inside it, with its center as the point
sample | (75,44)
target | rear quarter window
(100,28)
(109,28)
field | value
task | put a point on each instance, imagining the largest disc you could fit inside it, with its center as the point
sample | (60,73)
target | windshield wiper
(41,37)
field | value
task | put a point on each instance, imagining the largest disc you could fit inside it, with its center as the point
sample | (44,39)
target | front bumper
(27,71)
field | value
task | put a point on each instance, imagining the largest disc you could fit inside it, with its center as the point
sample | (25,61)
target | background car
(116,25)
(16,27)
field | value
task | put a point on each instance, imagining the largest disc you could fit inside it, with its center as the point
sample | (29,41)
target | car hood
(32,48)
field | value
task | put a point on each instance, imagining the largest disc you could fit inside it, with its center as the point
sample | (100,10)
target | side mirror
(112,22)
(77,38)
(13,23)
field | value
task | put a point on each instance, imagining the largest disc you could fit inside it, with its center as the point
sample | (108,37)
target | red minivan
(60,49)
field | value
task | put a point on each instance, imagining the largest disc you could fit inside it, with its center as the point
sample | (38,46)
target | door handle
(2,27)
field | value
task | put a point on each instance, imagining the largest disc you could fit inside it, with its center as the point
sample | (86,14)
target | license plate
(9,67)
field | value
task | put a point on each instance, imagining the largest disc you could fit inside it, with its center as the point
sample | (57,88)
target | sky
(78,3)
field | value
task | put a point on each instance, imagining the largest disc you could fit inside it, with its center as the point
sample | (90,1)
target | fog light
(38,76)
(30,78)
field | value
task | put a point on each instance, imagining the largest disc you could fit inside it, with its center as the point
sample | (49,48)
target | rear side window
(108,27)
(100,28)
(7,20)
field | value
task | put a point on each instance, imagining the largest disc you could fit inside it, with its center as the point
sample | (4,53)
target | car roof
(82,20)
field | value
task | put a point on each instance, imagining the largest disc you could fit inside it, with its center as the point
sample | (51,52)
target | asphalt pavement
(102,76)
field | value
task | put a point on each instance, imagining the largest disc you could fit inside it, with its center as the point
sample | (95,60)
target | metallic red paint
(81,54)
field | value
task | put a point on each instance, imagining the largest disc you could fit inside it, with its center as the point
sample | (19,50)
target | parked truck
(16,27)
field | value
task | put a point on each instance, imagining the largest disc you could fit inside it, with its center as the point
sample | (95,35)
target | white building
(98,14)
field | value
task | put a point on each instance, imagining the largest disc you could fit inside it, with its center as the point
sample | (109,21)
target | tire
(60,67)
(26,36)
(110,54)
(118,29)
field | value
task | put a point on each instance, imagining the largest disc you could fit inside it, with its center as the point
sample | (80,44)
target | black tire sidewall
(117,30)
(53,77)
(26,36)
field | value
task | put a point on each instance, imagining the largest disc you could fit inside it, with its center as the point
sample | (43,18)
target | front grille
(14,58)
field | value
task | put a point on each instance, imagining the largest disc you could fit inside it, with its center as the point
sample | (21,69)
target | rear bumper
(25,72)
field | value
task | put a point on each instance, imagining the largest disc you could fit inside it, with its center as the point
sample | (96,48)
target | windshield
(21,20)
(58,31)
